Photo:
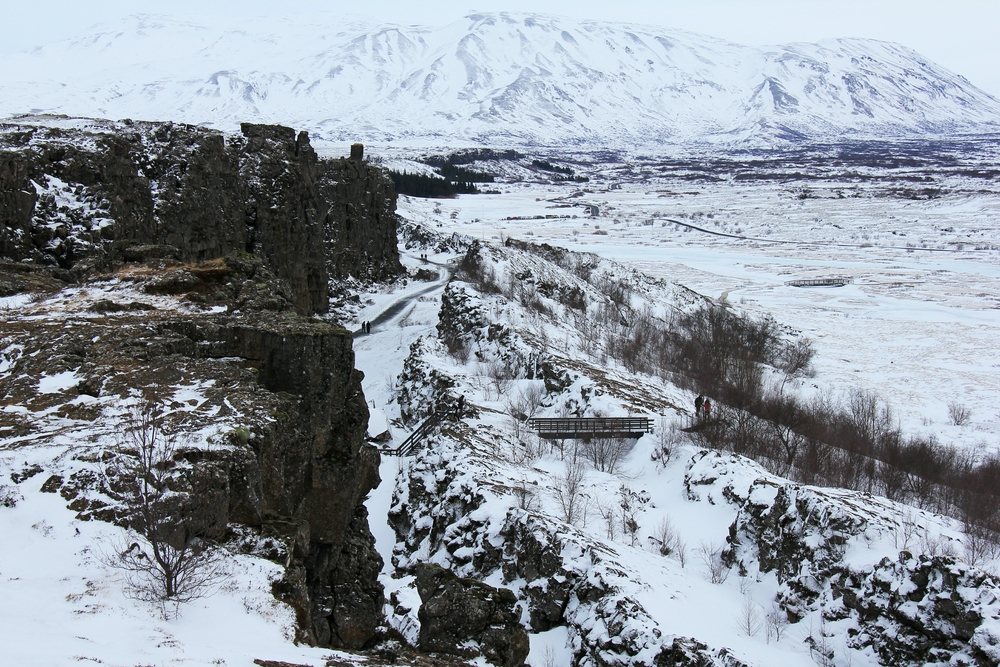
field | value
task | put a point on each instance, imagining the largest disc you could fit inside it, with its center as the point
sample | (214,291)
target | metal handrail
(590,425)
(413,440)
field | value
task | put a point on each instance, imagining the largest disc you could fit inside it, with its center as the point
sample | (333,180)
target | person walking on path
(697,406)
(707,405)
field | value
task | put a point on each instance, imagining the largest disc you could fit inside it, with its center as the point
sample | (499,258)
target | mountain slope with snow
(495,78)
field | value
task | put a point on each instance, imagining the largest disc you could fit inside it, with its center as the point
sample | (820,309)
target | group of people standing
(366,327)
(702,407)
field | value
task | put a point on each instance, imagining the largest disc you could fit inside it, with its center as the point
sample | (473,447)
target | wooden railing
(591,427)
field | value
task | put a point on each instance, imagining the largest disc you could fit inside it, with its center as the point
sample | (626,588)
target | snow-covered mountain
(494,78)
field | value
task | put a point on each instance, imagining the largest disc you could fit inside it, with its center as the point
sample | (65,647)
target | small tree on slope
(163,559)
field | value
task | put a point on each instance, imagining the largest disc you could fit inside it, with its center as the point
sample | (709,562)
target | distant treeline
(470,156)
(457,174)
(419,185)
(545,165)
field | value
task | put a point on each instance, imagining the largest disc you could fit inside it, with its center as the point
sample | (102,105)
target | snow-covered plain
(918,326)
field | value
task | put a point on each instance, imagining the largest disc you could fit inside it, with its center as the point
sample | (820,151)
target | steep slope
(495,78)
(182,272)
(648,551)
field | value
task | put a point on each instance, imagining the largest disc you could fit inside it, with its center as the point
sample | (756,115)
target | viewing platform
(585,428)
(820,282)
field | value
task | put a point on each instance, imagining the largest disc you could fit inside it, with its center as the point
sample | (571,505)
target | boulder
(468,618)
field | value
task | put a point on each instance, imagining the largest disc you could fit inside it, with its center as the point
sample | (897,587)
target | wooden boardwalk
(585,428)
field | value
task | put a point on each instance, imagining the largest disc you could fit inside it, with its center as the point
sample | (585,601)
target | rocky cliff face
(185,261)
(360,223)
(85,195)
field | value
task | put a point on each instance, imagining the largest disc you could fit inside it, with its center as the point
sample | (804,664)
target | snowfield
(652,534)
(918,325)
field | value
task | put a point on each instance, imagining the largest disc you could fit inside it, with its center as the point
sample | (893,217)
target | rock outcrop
(467,618)
(193,258)
(909,610)
(562,576)
(360,221)
(84,195)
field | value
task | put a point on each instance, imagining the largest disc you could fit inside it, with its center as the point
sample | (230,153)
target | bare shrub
(959,414)
(775,623)
(610,515)
(569,491)
(668,439)
(796,357)
(163,558)
(631,505)
(820,646)
(459,347)
(936,545)
(606,454)
(525,402)
(664,539)
(979,544)
(500,376)
(680,551)
(749,617)
(715,568)
(526,495)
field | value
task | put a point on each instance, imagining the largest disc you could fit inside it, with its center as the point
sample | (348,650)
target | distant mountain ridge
(496,78)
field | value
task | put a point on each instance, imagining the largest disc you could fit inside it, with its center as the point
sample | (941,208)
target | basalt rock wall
(86,195)
(199,222)
(361,221)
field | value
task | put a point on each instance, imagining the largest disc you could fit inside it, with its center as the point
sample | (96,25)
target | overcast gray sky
(962,35)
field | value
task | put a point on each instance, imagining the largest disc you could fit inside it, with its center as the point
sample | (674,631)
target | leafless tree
(711,556)
(668,439)
(680,551)
(527,498)
(664,540)
(500,375)
(749,617)
(630,508)
(606,454)
(569,491)
(163,559)
(776,623)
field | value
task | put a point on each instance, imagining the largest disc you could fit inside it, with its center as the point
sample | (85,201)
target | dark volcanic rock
(295,471)
(467,618)
(84,195)
(360,221)
(283,209)
(234,223)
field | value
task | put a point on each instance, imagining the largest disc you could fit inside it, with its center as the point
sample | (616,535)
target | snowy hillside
(648,552)
(494,78)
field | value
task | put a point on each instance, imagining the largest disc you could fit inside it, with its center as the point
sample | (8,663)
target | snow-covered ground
(62,603)
(484,462)
(918,326)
